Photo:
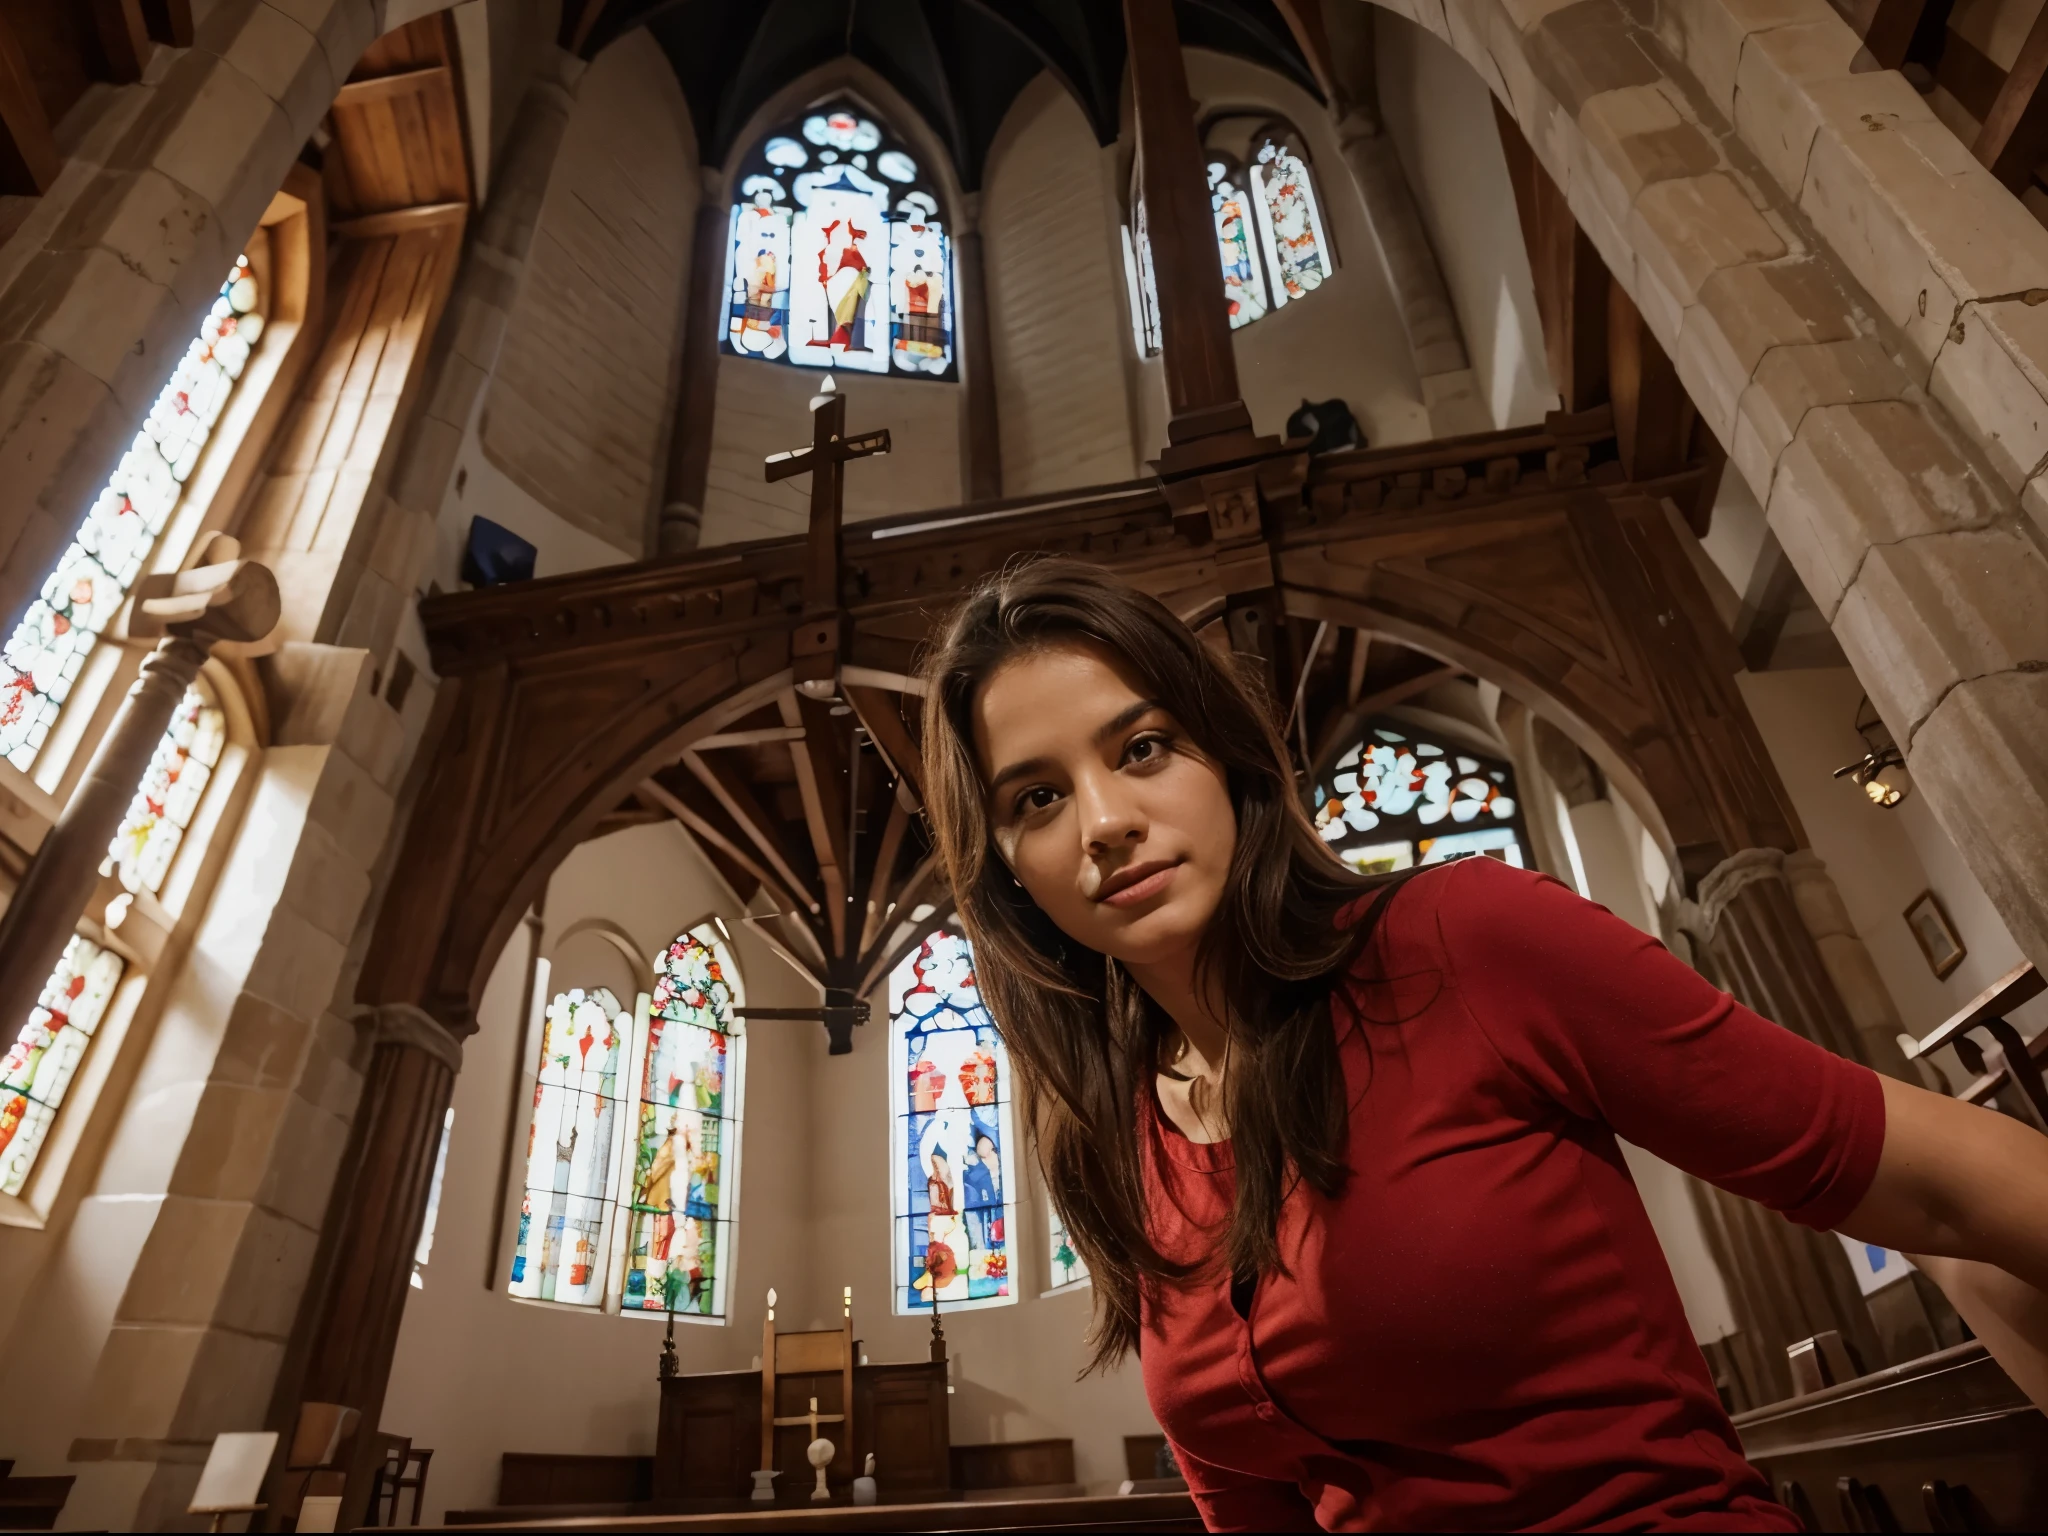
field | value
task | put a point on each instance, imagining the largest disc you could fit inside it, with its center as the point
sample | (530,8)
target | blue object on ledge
(495,555)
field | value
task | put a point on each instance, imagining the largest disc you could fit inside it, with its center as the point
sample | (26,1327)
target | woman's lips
(1129,887)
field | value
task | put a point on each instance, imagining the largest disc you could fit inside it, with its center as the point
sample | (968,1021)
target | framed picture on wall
(1934,933)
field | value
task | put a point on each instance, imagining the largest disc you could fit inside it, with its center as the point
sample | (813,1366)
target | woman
(1340,1151)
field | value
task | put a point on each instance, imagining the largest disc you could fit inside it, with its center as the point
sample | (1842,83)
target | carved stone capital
(1732,876)
(410,1026)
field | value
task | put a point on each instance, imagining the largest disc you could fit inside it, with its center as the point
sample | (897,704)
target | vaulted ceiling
(960,63)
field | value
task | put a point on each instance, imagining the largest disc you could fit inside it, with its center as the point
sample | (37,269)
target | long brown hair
(1084,1038)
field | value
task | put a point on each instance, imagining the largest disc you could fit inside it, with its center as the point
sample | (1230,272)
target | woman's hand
(1963,1192)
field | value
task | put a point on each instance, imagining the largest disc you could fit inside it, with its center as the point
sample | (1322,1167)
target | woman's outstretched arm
(1964,1192)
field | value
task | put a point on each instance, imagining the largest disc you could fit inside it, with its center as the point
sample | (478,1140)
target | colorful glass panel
(839,258)
(956,1176)
(1244,285)
(168,796)
(568,1203)
(45,1056)
(686,1159)
(44,655)
(1290,224)
(1068,1267)
(1398,798)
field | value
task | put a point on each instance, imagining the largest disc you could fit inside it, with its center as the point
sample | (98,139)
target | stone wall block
(1638,134)
(43,397)
(263,1046)
(1662,310)
(298,965)
(162,231)
(2034,502)
(1929,613)
(315,686)
(1993,377)
(1856,476)
(427,465)
(1709,36)
(229,1144)
(476,334)
(350,805)
(400,543)
(229,1385)
(178,1277)
(1579,51)
(1773,111)
(102,314)
(287,63)
(311,1143)
(140,1381)
(375,609)
(1745,312)
(260,1292)
(1789,382)
(375,737)
(1982,759)
(154,1118)
(1690,227)
(328,883)
(231,147)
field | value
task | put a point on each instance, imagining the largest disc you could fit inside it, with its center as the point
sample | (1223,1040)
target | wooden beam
(1426,673)
(169,21)
(1570,277)
(578,20)
(124,38)
(697,818)
(731,792)
(2014,138)
(1304,19)
(886,854)
(401,221)
(407,82)
(820,762)
(1653,415)
(29,161)
(880,714)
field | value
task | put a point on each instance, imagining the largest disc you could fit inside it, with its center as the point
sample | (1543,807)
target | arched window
(1269,227)
(1404,795)
(955,1182)
(632,1158)
(687,1156)
(839,257)
(49,646)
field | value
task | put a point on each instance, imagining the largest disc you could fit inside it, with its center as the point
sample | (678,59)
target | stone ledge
(1991,377)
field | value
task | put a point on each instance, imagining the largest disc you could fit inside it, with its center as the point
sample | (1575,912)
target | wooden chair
(405,1467)
(316,1461)
(1985,1015)
(807,1354)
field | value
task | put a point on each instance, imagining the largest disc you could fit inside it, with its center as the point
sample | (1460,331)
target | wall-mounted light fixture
(1881,771)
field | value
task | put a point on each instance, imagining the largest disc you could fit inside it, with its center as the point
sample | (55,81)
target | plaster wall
(1440,115)
(579,413)
(1055,267)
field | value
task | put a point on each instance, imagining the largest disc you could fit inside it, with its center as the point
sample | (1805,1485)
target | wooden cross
(814,1419)
(830,448)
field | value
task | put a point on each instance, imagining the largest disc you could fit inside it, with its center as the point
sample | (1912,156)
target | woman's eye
(1036,799)
(1145,749)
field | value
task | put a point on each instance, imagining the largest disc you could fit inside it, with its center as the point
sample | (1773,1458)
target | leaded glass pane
(839,258)
(1290,224)
(168,796)
(44,1058)
(567,1204)
(43,656)
(956,1177)
(1068,1267)
(1397,798)
(1244,285)
(686,1154)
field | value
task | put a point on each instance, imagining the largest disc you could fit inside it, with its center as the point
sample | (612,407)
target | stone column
(981,435)
(689,451)
(1201,364)
(1871,1010)
(373,1226)
(1449,388)
(234,601)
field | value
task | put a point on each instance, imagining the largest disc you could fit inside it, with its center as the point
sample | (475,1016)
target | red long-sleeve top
(1480,1332)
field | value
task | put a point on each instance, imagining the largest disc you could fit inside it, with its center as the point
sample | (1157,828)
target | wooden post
(982,439)
(1571,279)
(689,449)
(1194,325)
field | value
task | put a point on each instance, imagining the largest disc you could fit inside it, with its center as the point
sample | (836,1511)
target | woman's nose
(1110,814)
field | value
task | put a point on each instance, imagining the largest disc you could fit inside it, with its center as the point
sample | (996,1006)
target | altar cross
(814,1419)
(830,449)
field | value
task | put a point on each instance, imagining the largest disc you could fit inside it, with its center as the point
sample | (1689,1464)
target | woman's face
(1113,822)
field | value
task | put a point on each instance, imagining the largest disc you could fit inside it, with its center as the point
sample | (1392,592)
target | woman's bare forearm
(2009,1315)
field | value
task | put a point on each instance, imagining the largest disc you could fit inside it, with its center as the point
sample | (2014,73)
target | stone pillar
(373,1227)
(236,601)
(689,449)
(981,435)
(1449,388)
(1786,1282)
(1201,364)
(1871,1010)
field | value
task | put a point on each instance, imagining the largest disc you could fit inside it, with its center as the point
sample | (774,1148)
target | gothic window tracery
(840,257)
(955,1182)
(1404,795)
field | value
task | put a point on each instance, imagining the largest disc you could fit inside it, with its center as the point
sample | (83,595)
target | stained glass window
(1068,1267)
(569,1202)
(1269,238)
(1290,224)
(839,257)
(686,1157)
(955,1182)
(1401,797)
(168,796)
(43,656)
(1244,284)
(44,1058)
